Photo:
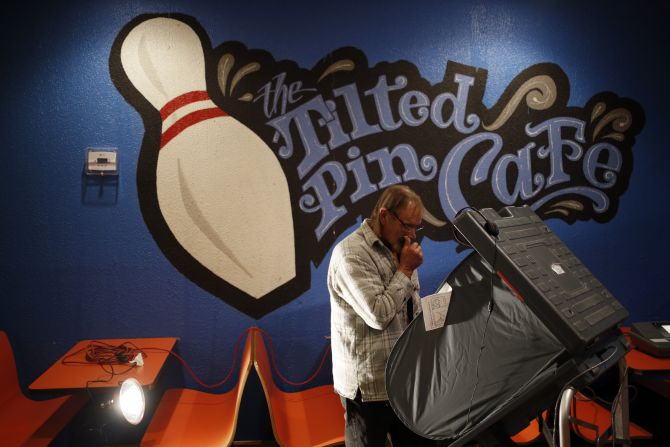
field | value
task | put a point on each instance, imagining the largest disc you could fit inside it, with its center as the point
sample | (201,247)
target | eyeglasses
(406,226)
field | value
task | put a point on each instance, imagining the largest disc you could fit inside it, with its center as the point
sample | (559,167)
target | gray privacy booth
(493,366)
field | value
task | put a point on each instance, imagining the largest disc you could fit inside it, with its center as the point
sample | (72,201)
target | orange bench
(27,422)
(309,418)
(186,417)
(531,433)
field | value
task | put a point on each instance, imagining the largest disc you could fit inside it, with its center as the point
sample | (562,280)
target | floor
(648,409)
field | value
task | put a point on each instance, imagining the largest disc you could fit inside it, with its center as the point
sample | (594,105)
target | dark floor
(648,409)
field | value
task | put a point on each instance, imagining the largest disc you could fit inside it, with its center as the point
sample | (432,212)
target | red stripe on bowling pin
(190,119)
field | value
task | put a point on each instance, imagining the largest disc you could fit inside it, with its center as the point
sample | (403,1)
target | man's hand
(411,257)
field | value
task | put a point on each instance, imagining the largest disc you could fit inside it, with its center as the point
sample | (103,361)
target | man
(371,279)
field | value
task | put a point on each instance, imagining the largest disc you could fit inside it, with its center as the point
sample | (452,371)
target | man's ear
(383,215)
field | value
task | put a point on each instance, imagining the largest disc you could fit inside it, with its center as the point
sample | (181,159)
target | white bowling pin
(220,188)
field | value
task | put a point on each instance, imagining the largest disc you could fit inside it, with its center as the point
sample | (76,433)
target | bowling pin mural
(220,188)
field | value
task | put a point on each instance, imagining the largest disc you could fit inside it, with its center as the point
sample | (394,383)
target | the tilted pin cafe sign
(251,168)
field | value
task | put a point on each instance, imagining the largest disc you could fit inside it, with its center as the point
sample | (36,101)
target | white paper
(435,308)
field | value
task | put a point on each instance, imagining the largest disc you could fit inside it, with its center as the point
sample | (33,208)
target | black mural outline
(244,74)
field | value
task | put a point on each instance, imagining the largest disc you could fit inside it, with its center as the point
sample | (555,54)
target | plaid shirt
(368,312)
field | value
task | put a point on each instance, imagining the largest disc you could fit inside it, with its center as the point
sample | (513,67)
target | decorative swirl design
(540,93)
(428,163)
(242,72)
(341,65)
(598,110)
(246,97)
(615,136)
(308,203)
(621,120)
(433,220)
(284,151)
(223,71)
(599,198)
(564,207)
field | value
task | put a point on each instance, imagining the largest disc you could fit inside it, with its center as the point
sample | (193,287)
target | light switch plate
(102,161)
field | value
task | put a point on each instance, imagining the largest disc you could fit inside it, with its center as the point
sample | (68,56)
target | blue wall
(76,265)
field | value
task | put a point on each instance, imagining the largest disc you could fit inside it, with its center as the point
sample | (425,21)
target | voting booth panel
(495,364)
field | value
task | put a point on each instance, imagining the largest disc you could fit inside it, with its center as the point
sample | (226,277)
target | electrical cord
(589,394)
(490,226)
(488,317)
(479,355)
(457,234)
(459,237)
(192,373)
(266,336)
(107,356)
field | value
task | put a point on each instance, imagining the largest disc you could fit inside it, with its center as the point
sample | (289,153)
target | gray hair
(393,198)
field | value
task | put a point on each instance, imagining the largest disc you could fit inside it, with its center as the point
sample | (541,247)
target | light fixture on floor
(131,401)
(128,400)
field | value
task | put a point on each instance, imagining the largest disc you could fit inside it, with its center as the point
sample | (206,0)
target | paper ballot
(435,308)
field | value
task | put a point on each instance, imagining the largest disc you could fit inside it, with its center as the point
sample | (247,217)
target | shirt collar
(369,235)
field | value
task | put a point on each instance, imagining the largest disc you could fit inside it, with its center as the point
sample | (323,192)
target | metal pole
(621,416)
(564,417)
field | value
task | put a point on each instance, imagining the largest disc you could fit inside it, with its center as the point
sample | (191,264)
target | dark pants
(368,423)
